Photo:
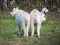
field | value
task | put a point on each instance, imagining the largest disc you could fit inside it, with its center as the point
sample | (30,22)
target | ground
(50,31)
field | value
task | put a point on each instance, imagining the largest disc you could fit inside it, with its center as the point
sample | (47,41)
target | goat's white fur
(22,20)
(37,17)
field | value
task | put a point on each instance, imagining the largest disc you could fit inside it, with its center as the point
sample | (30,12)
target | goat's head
(14,10)
(42,17)
(45,10)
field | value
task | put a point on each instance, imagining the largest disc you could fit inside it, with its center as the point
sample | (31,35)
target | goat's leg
(32,27)
(27,27)
(38,29)
(24,29)
(19,30)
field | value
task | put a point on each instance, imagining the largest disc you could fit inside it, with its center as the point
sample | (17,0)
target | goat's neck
(42,11)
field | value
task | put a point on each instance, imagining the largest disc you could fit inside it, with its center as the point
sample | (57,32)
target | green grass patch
(50,32)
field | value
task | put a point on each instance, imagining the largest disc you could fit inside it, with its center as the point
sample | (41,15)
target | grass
(50,31)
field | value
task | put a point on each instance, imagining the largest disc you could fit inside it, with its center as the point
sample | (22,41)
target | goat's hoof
(38,36)
(19,35)
(32,34)
(26,36)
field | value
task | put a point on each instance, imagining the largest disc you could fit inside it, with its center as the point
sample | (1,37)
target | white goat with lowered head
(22,20)
(37,17)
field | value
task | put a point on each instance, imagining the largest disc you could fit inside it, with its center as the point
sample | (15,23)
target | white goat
(38,17)
(22,20)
